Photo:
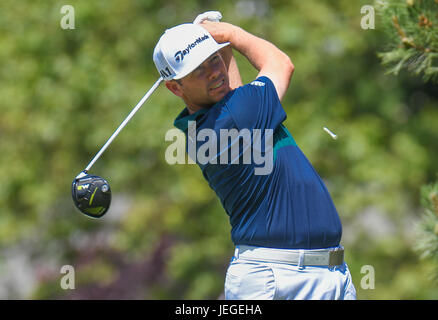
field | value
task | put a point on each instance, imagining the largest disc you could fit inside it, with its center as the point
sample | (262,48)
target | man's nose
(214,72)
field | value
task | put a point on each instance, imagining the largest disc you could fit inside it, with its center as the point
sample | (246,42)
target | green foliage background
(63,92)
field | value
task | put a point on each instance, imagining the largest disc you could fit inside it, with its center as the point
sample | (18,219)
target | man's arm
(263,55)
(231,64)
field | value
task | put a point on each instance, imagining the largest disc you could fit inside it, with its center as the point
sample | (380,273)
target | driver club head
(91,194)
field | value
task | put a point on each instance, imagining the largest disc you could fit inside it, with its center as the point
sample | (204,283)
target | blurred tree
(427,242)
(412,30)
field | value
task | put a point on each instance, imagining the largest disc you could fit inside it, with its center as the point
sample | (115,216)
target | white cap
(182,49)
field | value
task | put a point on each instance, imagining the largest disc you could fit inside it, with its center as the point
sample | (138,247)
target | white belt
(310,257)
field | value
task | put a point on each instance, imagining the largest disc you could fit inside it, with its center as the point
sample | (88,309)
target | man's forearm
(257,50)
(231,64)
(264,56)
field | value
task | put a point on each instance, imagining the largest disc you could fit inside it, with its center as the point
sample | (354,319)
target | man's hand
(220,31)
(210,20)
(214,16)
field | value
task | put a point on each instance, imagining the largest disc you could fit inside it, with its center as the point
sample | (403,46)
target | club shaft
(123,124)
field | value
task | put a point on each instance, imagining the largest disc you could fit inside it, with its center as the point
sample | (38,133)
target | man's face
(205,85)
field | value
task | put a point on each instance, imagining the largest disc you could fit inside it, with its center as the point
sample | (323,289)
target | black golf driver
(92,194)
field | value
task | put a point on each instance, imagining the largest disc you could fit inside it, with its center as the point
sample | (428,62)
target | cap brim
(199,61)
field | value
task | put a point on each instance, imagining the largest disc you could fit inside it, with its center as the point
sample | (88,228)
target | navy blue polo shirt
(288,206)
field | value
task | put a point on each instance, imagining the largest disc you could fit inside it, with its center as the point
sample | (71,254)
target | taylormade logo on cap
(179,56)
(181,49)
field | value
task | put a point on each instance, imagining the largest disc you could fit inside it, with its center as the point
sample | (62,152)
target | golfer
(284,225)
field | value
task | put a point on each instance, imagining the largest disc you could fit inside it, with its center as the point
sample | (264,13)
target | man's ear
(175,87)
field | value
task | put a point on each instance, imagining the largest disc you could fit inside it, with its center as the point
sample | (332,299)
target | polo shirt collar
(181,122)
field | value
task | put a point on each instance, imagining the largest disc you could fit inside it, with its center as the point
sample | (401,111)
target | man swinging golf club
(284,224)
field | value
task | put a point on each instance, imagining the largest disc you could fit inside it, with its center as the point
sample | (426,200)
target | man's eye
(199,71)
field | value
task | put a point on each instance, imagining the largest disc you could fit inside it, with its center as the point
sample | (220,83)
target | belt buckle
(336,256)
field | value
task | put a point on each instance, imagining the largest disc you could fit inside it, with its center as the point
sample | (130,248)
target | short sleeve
(256,106)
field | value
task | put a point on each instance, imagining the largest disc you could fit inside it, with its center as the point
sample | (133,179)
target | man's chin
(221,94)
(213,99)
